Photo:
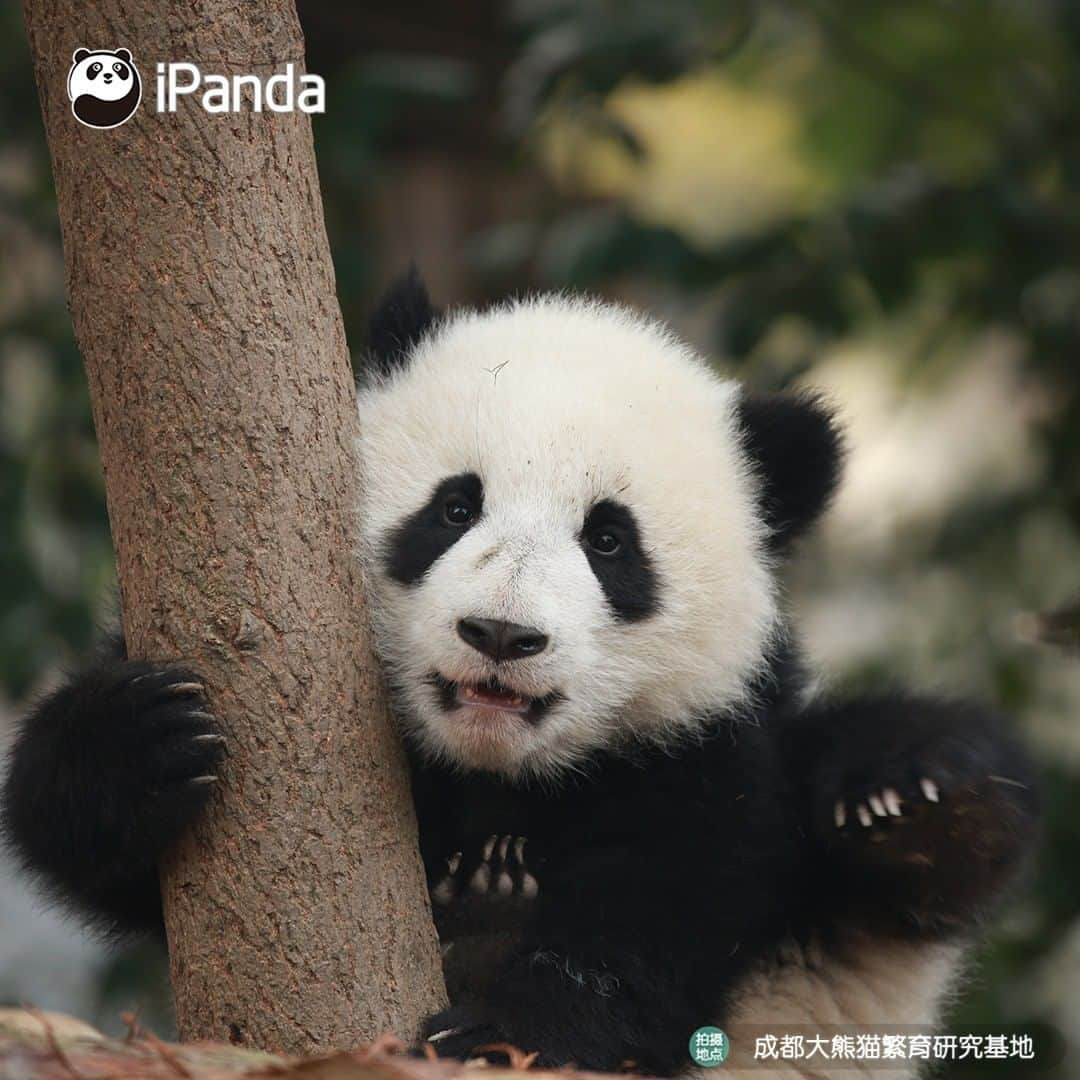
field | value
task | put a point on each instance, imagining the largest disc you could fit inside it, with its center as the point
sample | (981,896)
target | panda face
(564,546)
(104,87)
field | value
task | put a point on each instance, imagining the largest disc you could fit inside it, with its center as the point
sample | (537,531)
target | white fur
(868,984)
(557,403)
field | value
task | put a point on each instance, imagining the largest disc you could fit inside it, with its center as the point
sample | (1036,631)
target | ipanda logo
(105,89)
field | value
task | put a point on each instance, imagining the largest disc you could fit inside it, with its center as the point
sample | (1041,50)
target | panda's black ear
(123,54)
(798,455)
(401,318)
(79,55)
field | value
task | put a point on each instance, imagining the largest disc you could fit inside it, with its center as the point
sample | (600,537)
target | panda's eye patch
(432,530)
(94,70)
(119,69)
(612,543)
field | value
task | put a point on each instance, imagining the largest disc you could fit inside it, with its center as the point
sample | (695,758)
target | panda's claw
(180,688)
(201,781)
(480,882)
(930,790)
(438,1036)
(454,862)
(489,848)
(504,846)
(866,819)
(443,893)
(209,740)
(519,850)
(529,886)
(891,798)
(877,805)
(840,814)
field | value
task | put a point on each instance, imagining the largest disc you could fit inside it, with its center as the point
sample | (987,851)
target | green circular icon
(709,1046)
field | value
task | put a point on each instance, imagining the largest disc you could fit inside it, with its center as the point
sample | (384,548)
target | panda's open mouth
(492,696)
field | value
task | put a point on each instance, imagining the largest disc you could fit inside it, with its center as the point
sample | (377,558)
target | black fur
(100,784)
(402,317)
(798,450)
(426,535)
(627,576)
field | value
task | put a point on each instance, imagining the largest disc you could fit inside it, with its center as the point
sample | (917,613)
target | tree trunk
(202,293)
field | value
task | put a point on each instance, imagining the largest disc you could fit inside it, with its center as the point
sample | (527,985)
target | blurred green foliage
(914,185)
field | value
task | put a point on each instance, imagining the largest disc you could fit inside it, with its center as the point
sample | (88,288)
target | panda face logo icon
(104,87)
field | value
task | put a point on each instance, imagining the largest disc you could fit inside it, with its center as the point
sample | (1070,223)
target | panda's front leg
(925,808)
(104,775)
(603,975)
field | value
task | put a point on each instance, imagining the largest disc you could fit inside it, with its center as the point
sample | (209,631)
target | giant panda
(636,817)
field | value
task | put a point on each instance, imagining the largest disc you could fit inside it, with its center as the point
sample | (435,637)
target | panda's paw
(464,1032)
(105,774)
(871,800)
(935,780)
(888,805)
(154,746)
(498,870)
(955,809)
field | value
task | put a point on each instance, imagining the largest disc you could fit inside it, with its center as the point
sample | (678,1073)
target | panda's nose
(501,640)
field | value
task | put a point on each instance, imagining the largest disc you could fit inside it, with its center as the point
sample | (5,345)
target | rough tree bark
(202,293)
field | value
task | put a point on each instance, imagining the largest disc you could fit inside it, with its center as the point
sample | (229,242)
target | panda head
(571,525)
(104,87)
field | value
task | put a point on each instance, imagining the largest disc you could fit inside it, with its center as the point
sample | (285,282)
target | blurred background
(880,199)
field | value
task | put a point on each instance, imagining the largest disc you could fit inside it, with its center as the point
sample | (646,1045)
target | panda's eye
(604,541)
(458,512)
(119,69)
(94,70)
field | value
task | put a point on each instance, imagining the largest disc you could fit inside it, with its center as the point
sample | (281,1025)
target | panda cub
(636,819)
(104,87)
